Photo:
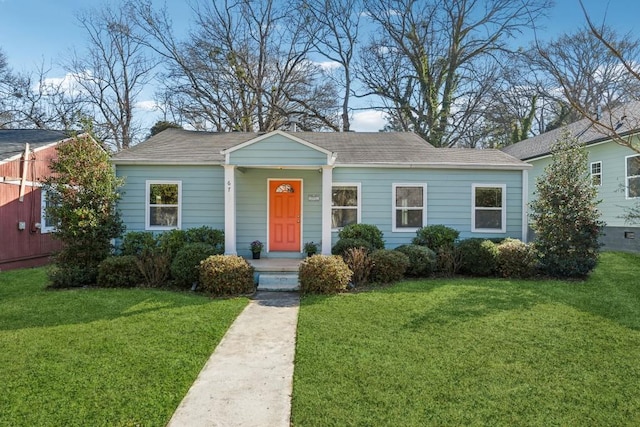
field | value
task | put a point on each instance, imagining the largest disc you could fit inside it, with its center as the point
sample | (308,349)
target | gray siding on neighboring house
(202,193)
(448,198)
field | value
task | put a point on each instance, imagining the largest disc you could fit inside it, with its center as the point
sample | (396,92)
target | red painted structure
(22,242)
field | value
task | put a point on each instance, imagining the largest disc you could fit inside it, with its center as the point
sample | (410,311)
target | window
(163,205)
(46,223)
(409,206)
(345,205)
(633,176)
(596,174)
(488,214)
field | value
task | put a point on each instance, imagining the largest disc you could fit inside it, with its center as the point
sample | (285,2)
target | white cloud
(368,121)
(328,65)
(147,105)
(68,83)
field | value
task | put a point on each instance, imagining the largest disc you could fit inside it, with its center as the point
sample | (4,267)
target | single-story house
(613,167)
(24,161)
(288,188)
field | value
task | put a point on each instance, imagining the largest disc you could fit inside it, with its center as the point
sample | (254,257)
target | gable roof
(624,119)
(178,146)
(12,141)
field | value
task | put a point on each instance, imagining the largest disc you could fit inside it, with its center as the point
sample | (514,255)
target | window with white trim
(46,222)
(163,206)
(632,168)
(596,173)
(409,206)
(345,205)
(488,213)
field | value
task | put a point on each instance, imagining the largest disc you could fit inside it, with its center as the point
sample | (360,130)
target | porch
(276,274)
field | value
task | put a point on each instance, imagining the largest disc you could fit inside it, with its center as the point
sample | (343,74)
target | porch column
(230,210)
(327,182)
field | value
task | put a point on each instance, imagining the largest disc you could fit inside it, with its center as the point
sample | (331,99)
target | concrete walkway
(248,379)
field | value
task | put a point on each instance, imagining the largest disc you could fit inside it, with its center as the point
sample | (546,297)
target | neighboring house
(288,188)
(614,169)
(25,235)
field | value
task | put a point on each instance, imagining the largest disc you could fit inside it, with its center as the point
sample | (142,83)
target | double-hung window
(409,206)
(163,207)
(633,176)
(596,174)
(345,205)
(489,208)
(46,201)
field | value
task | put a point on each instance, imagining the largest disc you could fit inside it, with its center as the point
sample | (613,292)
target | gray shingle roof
(624,119)
(174,146)
(12,141)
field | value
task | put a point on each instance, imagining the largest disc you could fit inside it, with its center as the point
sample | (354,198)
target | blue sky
(33,32)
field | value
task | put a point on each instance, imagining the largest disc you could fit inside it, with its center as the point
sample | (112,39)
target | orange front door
(284,215)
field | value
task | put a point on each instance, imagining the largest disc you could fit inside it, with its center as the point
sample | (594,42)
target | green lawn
(101,357)
(474,352)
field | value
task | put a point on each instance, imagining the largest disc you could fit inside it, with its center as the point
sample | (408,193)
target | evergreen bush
(226,275)
(422,260)
(367,232)
(323,274)
(388,265)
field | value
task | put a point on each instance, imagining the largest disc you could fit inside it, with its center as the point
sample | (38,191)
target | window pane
(163,216)
(634,187)
(342,217)
(344,196)
(491,219)
(596,167)
(163,194)
(410,197)
(284,188)
(409,218)
(633,166)
(488,197)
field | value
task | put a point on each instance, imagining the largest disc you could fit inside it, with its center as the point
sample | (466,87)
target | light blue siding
(612,191)
(448,198)
(202,194)
(278,150)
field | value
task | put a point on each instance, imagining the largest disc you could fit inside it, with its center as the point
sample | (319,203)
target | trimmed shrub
(184,267)
(422,260)
(342,245)
(154,265)
(119,272)
(360,264)
(323,274)
(207,235)
(435,237)
(137,242)
(367,232)
(388,266)
(70,275)
(170,242)
(517,259)
(478,257)
(226,275)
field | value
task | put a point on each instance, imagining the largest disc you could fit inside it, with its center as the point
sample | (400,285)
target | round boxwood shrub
(422,260)
(388,266)
(137,242)
(208,235)
(184,267)
(436,237)
(170,242)
(119,272)
(343,245)
(478,257)
(323,274)
(517,259)
(366,232)
(226,275)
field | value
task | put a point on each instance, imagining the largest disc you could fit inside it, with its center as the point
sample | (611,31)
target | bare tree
(432,61)
(244,67)
(111,72)
(333,27)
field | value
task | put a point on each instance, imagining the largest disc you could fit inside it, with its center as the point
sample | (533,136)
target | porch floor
(275,264)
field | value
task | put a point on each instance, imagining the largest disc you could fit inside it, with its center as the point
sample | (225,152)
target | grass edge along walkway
(101,357)
(474,352)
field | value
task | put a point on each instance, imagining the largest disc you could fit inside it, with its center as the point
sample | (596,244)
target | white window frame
(594,174)
(395,208)
(44,226)
(358,205)
(147,204)
(503,209)
(626,176)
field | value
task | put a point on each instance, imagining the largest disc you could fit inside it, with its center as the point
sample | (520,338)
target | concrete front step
(277,281)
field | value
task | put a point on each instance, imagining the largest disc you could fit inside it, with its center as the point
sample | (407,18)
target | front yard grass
(101,357)
(474,352)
